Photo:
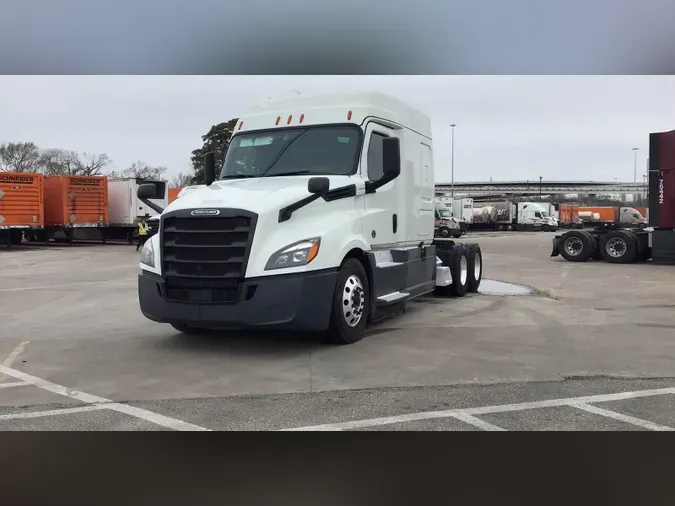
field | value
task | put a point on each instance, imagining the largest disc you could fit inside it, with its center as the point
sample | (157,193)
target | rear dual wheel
(578,246)
(619,247)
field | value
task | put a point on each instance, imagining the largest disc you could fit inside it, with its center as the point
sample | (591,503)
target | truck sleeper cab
(321,219)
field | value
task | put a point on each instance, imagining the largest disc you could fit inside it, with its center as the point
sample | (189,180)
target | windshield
(332,150)
(444,214)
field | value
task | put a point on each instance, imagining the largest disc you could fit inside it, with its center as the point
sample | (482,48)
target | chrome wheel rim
(463,270)
(573,246)
(616,247)
(353,300)
(477,266)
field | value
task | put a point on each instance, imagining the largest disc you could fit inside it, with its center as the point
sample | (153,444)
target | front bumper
(292,302)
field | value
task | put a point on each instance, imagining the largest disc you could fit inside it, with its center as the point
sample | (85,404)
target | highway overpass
(544,188)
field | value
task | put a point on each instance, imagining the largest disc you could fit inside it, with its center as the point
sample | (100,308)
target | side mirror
(147,191)
(391,157)
(209,168)
(318,185)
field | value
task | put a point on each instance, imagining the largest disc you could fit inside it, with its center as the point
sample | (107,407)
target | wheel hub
(353,301)
(573,246)
(616,247)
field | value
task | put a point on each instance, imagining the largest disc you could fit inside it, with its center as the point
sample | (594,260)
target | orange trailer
(21,204)
(568,214)
(76,201)
(173,194)
(606,214)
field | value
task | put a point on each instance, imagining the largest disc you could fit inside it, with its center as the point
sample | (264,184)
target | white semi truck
(507,215)
(321,218)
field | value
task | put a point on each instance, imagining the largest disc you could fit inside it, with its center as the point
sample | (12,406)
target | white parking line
(99,402)
(645,424)
(13,384)
(484,410)
(52,412)
(477,422)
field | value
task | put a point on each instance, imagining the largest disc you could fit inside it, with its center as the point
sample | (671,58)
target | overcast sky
(508,127)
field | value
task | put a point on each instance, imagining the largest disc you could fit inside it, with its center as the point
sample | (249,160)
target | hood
(257,195)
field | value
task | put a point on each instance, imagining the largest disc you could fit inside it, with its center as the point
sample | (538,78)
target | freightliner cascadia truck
(618,243)
(320,218)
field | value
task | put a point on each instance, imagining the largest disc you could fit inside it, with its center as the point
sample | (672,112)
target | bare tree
(181,180)
(88,164)
(54,162)
(19,157)
(140,170)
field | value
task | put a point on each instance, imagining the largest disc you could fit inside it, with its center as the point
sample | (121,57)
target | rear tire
(475,266)
(619,247)
(351,304)
(577,246)
(460,271)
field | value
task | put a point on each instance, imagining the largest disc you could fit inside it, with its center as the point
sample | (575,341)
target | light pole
(635,151)
(452,161)
(540,178)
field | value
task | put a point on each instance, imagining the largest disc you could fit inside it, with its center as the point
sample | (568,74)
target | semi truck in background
(320,219)
(508,215)
(615,242)
(593,216)
(445,225)
(21,205)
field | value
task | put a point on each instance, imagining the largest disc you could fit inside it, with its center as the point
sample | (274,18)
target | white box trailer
(462,208)
(124,206)
(125,209)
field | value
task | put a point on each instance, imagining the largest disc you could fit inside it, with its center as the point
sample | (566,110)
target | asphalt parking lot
(589,348)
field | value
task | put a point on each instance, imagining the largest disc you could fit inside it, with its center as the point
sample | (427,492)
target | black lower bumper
(291,302)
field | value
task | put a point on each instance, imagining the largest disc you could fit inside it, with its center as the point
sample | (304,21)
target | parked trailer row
(616,215)
(614,244)
(66,207)
(507,215)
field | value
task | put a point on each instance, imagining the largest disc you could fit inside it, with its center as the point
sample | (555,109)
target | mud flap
(556,249)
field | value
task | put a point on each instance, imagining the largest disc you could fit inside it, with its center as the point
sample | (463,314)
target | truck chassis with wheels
(611,244)
(616,244)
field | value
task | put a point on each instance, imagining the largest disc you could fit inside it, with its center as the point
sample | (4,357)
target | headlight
(294,255)
(148,254)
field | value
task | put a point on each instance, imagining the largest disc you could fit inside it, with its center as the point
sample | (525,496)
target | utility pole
(635,151)
(540,178)
(452,161)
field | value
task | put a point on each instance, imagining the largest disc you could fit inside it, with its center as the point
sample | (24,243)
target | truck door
(381,222)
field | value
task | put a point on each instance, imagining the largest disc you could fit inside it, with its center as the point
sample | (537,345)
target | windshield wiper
(293,173)
(238,176)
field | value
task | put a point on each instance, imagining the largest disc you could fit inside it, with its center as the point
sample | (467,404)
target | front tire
(351,304)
